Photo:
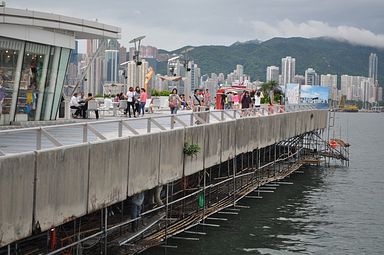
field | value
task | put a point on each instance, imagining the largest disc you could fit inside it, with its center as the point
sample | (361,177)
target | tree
(267,87)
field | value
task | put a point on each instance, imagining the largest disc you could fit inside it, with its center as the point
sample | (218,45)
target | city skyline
(169,25)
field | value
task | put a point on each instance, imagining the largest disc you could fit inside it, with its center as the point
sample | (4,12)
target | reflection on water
(332,210)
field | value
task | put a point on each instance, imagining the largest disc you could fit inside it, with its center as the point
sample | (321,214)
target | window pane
(33,75)
(64,57)
(9,52)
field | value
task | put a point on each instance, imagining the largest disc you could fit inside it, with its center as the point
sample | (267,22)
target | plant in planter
(191,149)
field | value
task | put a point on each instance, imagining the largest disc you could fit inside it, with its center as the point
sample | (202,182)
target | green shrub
(154,92)
(191,149)
(164,93)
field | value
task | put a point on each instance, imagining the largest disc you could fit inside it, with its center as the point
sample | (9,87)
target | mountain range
(325,55)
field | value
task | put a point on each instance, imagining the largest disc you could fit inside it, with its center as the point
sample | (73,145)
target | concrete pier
(50,186)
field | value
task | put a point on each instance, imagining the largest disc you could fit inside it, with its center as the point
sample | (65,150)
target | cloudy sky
(171,24)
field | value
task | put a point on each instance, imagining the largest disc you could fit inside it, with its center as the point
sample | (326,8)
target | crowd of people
(136,99)
(200,100)
(232,100)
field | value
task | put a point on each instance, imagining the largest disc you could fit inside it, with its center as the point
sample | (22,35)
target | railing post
(234,114)
(85,133)
(222,115)
(172,121)
(38,139)
(191,120)
(120,129)
(149,125)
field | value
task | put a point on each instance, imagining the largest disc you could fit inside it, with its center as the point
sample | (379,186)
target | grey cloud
(171,24)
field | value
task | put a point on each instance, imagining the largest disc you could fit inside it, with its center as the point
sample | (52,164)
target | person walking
(143,101)
(173,101)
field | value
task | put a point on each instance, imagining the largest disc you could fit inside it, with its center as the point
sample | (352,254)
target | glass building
(31,78)
(34,53)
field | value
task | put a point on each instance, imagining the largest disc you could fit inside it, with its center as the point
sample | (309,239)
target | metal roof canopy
(79,28)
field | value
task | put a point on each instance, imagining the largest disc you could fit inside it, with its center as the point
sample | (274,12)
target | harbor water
(327,210)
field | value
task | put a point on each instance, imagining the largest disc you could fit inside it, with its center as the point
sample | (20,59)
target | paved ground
(70,132)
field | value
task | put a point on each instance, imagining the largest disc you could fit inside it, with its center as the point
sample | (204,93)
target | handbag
(172,104)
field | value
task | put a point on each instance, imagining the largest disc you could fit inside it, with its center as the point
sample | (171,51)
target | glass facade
(31,80)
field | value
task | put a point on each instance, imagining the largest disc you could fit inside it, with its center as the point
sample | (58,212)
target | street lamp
(136,42)
(125,75)
(186,58)
(136,57)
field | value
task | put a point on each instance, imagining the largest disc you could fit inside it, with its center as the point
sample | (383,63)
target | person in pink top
(143,101)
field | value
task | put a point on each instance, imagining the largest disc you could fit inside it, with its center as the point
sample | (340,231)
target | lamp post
(174,69)
(136,57)
(125,76)
(188,68)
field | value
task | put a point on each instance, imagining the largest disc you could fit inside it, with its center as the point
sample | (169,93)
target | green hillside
(323,54)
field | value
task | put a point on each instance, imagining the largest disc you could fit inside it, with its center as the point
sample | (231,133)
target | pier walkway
(54,174)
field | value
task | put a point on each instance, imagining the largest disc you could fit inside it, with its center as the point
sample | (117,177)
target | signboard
(306,94)
(292,93)
(316,95)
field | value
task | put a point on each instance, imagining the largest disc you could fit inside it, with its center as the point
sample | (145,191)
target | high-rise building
(136,73)
(299,79)
(111,66)
(94,78)
(192,79)
(176,67)
(373,62)
(122,54)
(239,72)
(358,88)
(380,94)
(273,74)
(311,77)
(221,78)
(74,53)
(145,52)
(330,81)
(288,65)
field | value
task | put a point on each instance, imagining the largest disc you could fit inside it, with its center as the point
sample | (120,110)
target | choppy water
(336,210)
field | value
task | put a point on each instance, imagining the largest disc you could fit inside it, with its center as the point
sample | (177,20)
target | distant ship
(349,108)
(346,107)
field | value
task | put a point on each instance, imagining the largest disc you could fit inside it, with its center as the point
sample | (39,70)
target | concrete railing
(52,185)
(22,140)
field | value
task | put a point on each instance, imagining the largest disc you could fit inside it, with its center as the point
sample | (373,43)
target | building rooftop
(79,28)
